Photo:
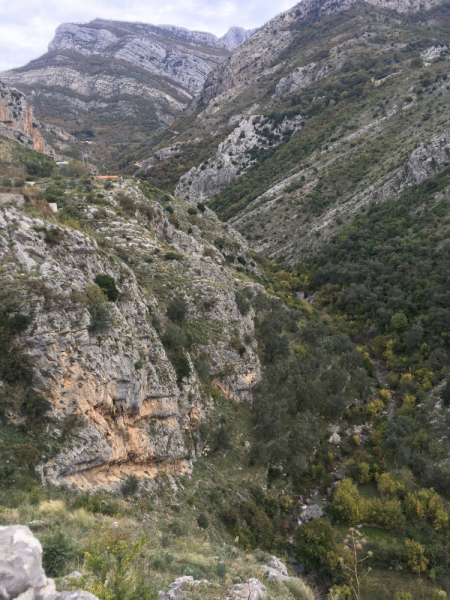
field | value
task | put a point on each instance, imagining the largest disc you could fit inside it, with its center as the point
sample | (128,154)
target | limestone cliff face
(17,121)
(120,382)
(233,156)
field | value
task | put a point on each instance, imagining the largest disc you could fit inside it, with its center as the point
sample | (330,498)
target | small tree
(203,520)
(130,486)
(399,322)
(354,542)
(445,394)
(113,566)
(415,557)
(315,543)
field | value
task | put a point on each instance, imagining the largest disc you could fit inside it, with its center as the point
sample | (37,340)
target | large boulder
(252,590)
(21,574)
(276,570)
(312,512)
(20,562)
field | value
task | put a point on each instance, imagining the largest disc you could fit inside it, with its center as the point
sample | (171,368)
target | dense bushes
(326,374)
(57,550)
(107,284)
(177,310)
(315,544)
(259,521)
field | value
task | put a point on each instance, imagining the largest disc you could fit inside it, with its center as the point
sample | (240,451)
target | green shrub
(56,552)
(174,338)
(192,211)
(242,302)
(107,284)
(223,438)
(114,567)
(230,516)
(201,207)
(399,322)
(130,486)
(315,544)
(177,310)
(173,256)
(203,370)
(101,318)
(182,368)
(445,394)
(53,236)
(203,520)
(127,203)
(299,590)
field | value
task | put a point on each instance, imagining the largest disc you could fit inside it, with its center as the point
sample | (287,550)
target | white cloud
(27,26)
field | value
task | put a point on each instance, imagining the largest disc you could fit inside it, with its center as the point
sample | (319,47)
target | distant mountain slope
(311,116)
(121,80)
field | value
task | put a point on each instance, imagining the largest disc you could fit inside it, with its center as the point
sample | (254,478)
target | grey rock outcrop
(232,157)
(427,160)
(335,439)
(180,587)
(236,36)
(163,65)
(276,570)
(17,121)
(312,512)
(303,77)
(21,574)
(257,55)
(253,589)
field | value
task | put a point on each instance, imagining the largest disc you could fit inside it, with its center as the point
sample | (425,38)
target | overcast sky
(27,26)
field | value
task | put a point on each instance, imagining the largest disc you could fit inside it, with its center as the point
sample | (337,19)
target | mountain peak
(236,36)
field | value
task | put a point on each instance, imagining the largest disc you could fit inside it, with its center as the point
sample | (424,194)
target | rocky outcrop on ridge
(21,574)
(302,77)
(427,160)
(135,417)
(232,157)
(17,122)
(256,56)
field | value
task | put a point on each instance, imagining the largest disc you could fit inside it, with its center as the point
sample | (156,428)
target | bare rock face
(21,574)
(303,77)
(180,587)
(276,570)
(236,36)
(427,160)
(312,512)
(233,157)
(17,122)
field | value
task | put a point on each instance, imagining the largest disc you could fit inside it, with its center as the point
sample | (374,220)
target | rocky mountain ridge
(120,79)
(256,57)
